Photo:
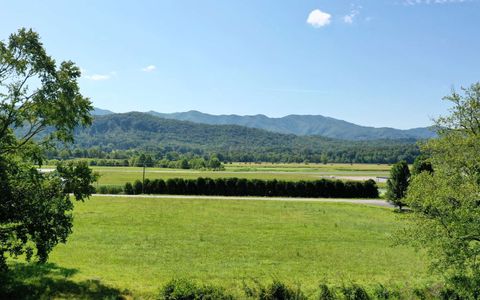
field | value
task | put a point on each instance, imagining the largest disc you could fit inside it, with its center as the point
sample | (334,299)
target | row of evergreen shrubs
(182,289)
(322,188)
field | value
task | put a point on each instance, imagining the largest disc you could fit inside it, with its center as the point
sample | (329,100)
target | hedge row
(322,188)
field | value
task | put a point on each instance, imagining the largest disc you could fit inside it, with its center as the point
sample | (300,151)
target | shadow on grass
(47,281)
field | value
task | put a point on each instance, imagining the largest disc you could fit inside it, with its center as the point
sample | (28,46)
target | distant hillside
(303,125)
(237,143)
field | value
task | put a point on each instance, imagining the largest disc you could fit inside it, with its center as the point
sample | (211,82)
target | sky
(382,63)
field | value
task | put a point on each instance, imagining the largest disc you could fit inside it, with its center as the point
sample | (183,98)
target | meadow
(139,244)
(290,172)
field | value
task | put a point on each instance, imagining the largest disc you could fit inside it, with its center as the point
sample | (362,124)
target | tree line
(384,152)
(323,188)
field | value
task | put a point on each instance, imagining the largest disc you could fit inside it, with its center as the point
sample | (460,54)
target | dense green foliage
(445,217)
(273,291)
(36,94)
(421,164)
(303,125)
(181,289)
(255,187)
(397,183)
(124,136)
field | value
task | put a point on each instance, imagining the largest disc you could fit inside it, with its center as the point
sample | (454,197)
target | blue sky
(372,62)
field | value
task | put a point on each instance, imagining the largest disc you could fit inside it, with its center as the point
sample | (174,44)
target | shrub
(109,189)
(275,291)
(147,187)
(325,293)
(137,187)
(128,188)
(101,189)
(381,292)
(354,292)
(182,289)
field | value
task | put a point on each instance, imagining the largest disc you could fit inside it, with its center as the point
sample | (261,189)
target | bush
(354,292)
(128,188)
(109,189)
(137,187)
(182,289)
(326,293)
(275,291)
(381,292)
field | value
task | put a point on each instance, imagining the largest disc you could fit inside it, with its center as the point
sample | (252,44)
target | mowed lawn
(266,171)
(140,244)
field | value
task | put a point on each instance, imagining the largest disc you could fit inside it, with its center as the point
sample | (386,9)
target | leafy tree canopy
(445,204)
(36,94)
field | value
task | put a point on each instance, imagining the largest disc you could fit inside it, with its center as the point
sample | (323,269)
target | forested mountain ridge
(303,125)
(137,130)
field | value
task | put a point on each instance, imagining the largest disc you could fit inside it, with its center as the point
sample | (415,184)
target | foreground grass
(140,244)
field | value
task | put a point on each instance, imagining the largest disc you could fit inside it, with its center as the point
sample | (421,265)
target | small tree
(214,163)
(184,164)
(397,184)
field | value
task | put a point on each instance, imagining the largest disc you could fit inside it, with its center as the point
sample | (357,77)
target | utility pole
(143,180)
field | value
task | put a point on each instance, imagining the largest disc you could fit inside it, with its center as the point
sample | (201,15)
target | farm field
(139,244)
(313,167)
(291,172)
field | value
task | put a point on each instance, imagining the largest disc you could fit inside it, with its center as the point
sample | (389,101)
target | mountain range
(143,131)
(303,125)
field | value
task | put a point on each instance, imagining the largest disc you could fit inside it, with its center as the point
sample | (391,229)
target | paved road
(374,202)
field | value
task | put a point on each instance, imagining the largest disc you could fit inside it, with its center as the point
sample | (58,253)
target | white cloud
(149,68)
(318,18)
(354,12)
(350,18)
(97,77)
(416,2)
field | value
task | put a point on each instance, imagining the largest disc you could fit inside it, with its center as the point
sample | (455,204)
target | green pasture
(309,167)
(139,244)
(290,172)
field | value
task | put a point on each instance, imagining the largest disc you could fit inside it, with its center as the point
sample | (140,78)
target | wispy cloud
(318,18)
(97,77)
(149,68)
(354,12)
(418,2)
(297,91)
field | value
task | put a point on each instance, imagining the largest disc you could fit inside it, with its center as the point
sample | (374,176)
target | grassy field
(296,167)
(139,244)
(293,172)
